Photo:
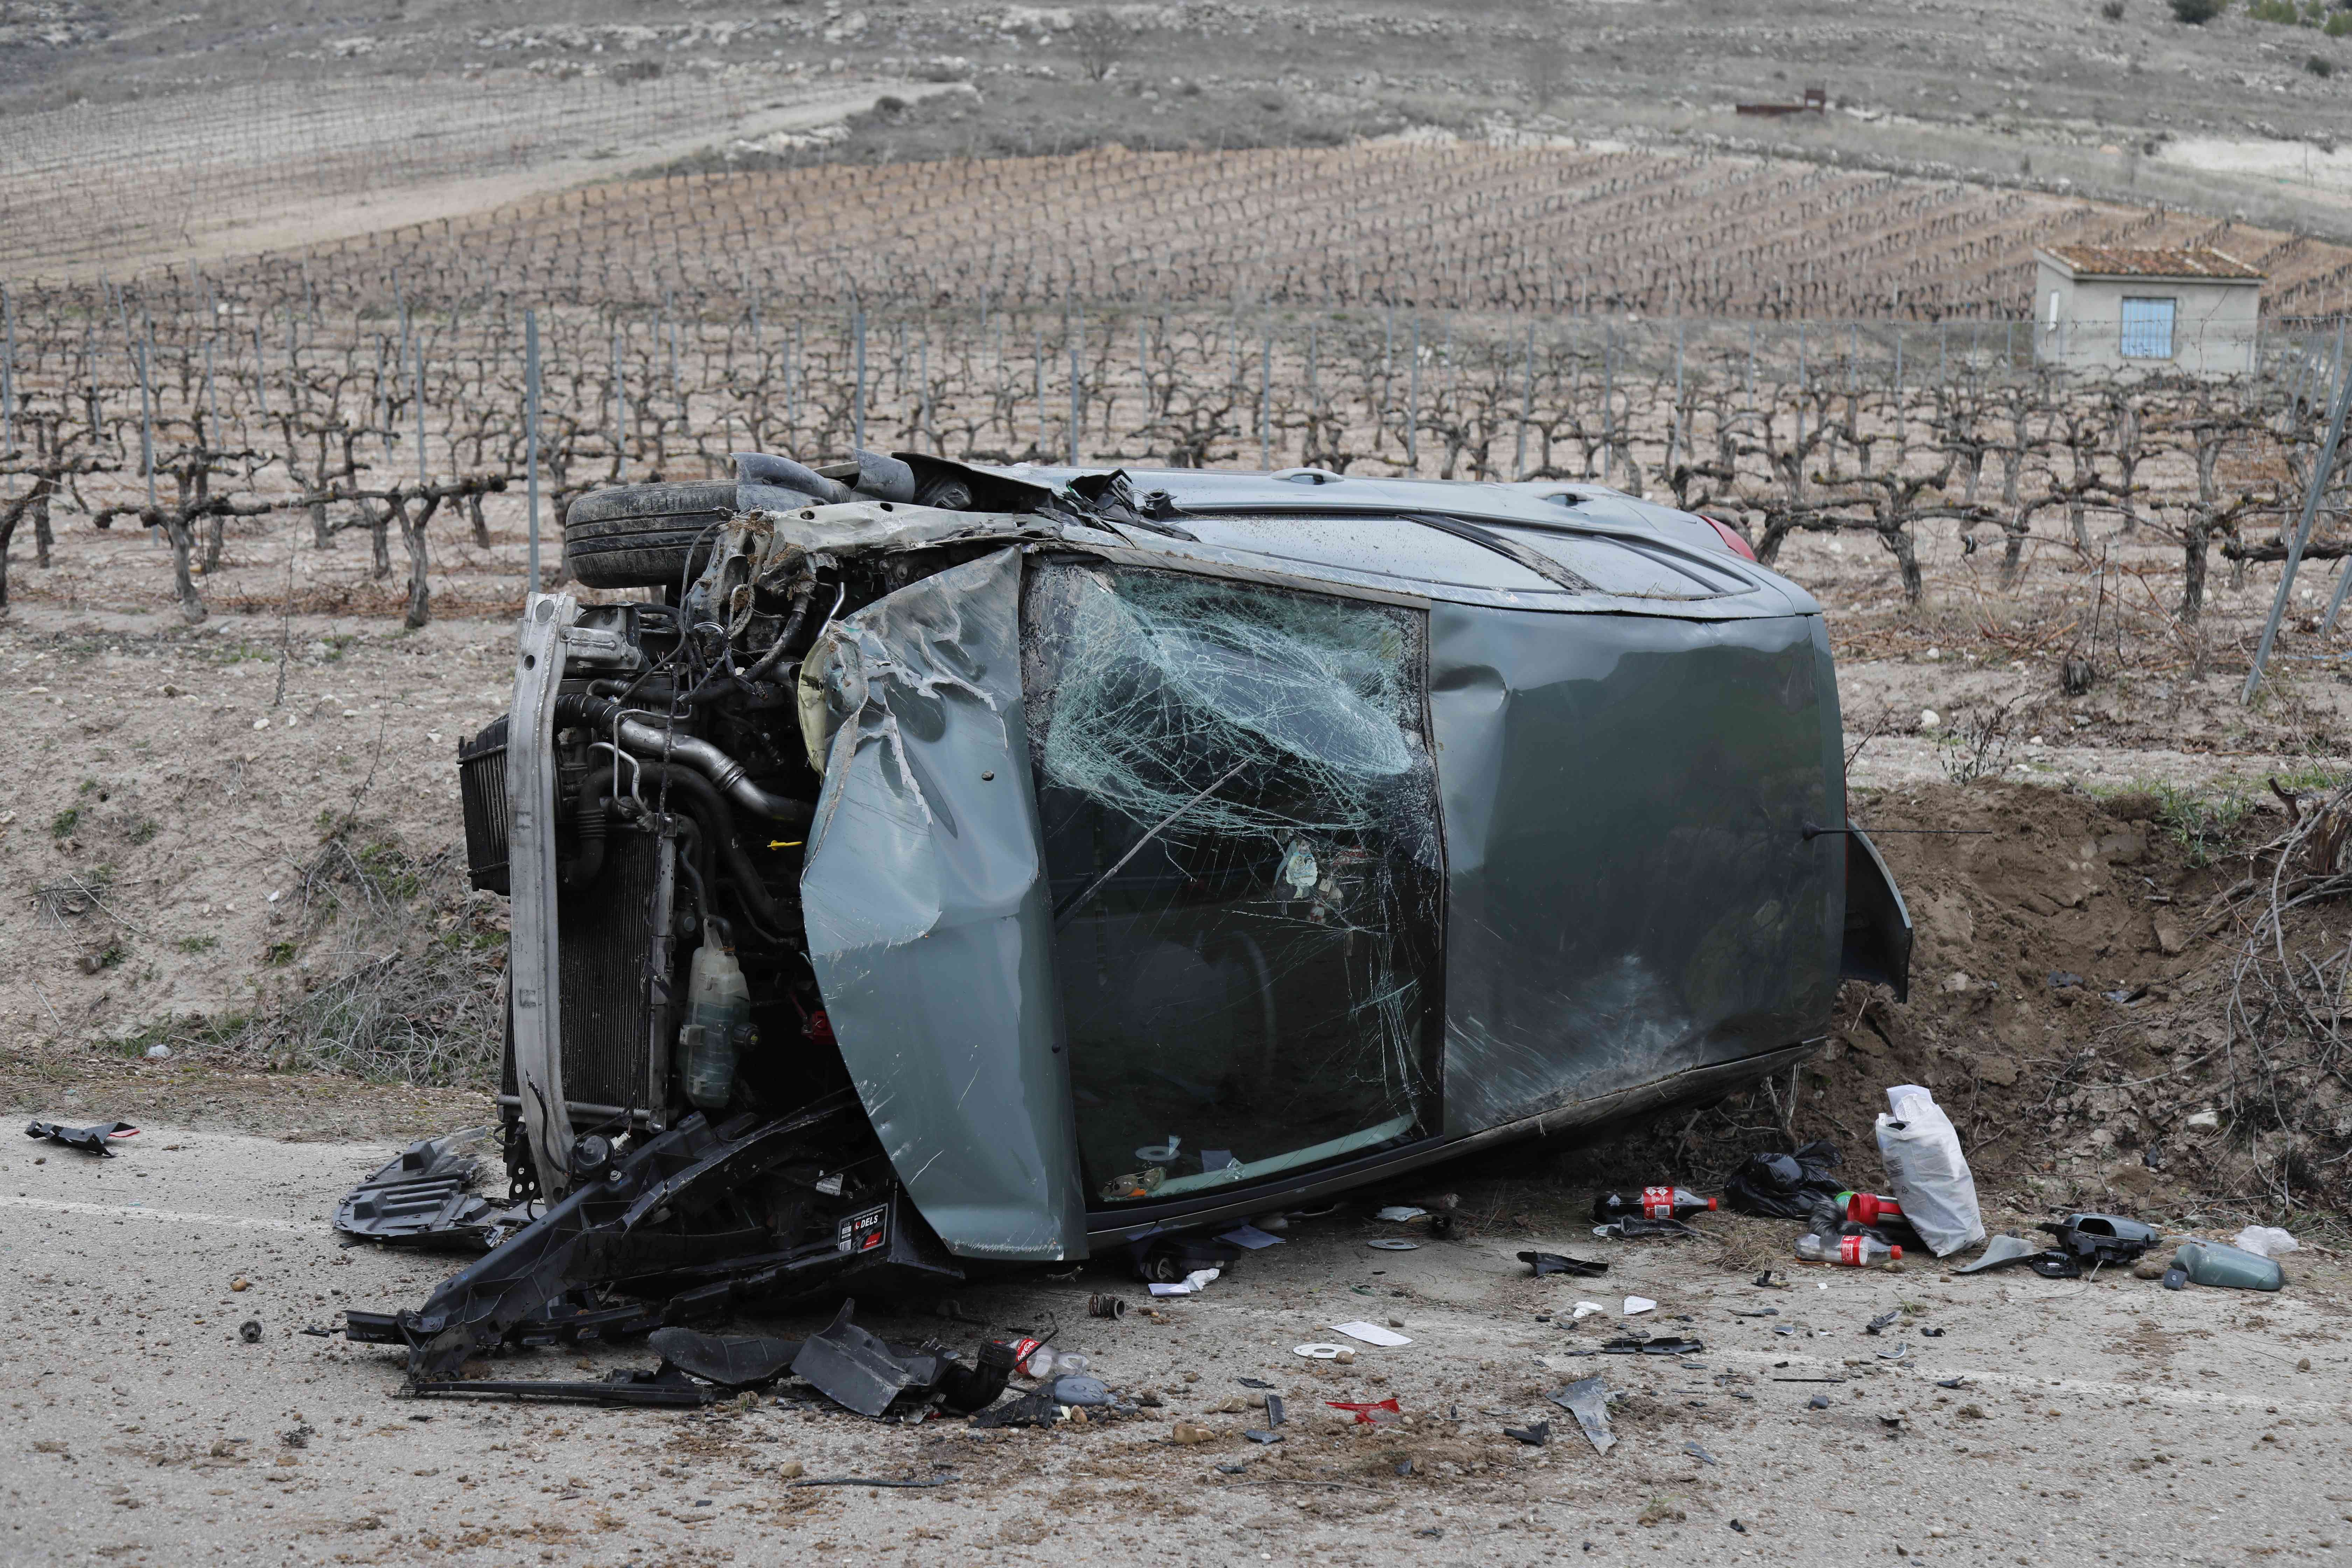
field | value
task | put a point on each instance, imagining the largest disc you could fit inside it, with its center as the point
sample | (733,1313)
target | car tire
(638,536)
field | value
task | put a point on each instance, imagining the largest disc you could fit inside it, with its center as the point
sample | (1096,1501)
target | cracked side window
(1240,820)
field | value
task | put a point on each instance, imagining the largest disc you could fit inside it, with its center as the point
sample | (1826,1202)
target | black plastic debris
(866,1481)
(2002,1251)
(1255,1383)
(1266,1437)
(1784,1186)
(1762,1279)
(425,1194)
(1535,1435)
(1274,1410)
(1879,1323)
(2099,1238)
(731,1361)
(88,1140)
(1105,1305)
(1636,1228)
(1404,1466)
(1035,1408)
(320,1331)
(1817,1402)
(1639,1344)
(1951,1382)
(1756,1312)
(851,1367)
(662,1388)
(1231,1469)
(1932,1334)
(1739,1527)
(1545,1263)
(249,1331)
(1701,1455)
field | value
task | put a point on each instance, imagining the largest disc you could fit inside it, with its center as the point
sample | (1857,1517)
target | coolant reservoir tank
(717,1018)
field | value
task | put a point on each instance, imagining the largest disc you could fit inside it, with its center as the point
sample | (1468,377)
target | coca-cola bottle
(1868,1207)
(1650,1202)
(1853,1251)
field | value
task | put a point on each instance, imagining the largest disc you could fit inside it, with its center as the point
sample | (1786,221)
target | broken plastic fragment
(1390,1244)
(1637,1304)
(1545,1263)
(1535,1435)
(1249,1237)
(1588,1400)
(1372,1413)
(1399,1213)
(1370,1334)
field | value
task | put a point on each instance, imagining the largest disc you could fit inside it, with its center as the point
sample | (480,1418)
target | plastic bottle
(1650,1202)
(1868,1207)
(717,1020)
(1853,1251)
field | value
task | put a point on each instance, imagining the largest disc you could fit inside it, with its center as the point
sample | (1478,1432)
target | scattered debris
(1785,1187)
(1897,1353)
(1587,1310)
(2266,1241)
(1370,1334)
(1535,1435)
(2000,1249)
(1389,1245)
(425,1192)
(1324,1352)
(1105,1305)
(1373,1413)
(1254,1383)
(1251,1238)
(1588,1400)
(249,1331)
(1951,1382)
(1755,1313)
(1635,1230)
(1879,1323)
(1701,1455)
(1545,1263)
(2228,1268)
(1638,1304)
(88,1140)
(1817,1402)
(867,1481)
(1399,1213)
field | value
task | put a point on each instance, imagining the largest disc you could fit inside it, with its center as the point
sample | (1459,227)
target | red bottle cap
(1894,1252)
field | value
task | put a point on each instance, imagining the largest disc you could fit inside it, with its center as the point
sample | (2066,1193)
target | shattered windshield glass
(1240,820)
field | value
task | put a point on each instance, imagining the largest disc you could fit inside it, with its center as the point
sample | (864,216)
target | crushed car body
(961,867)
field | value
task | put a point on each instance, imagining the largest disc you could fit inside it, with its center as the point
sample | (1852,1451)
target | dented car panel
(927,916)
(1065,858)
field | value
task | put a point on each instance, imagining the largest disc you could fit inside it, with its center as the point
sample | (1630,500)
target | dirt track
(2107,1419)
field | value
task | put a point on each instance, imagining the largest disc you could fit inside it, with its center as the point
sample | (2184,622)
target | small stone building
(2108,308)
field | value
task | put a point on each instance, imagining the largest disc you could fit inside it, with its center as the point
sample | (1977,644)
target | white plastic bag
(1928,1170)
(2266,1241)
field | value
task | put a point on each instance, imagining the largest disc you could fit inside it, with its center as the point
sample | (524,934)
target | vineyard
(1804,352)
(1542,230)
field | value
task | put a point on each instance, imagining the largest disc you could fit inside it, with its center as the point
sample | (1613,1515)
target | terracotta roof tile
(2122,262)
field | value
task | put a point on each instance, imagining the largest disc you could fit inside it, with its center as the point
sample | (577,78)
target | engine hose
(694,794)
(588,829)
(803,591)
(725,773)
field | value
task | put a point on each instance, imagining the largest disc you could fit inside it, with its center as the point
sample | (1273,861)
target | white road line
(134,1211)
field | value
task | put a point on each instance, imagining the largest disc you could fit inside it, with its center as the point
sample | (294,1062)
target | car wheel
(638,536)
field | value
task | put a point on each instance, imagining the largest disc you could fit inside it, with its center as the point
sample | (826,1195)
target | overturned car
(961,867)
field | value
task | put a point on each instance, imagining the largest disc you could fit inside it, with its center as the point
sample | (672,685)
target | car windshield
(1240,822)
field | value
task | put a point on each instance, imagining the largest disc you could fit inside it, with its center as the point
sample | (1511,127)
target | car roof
(1633,556)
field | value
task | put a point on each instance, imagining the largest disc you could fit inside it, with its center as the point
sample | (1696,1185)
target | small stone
(2303,1364)
(1192,1377)
(791,1470)
(240,1283)
(1189,1433)
(1396,1322)
(2168,940)
(2149,1268)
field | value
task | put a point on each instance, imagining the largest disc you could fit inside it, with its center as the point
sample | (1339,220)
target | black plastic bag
(1786,1186)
